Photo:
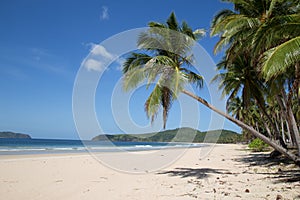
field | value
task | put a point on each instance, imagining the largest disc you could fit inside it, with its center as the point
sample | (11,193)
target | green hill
(177,135)
(8,134)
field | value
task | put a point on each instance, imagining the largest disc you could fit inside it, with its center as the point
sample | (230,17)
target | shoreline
(86,148)
(228,171)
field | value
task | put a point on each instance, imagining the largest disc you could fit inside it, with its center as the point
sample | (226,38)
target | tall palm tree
(239,78)
(164,60)
(267,31)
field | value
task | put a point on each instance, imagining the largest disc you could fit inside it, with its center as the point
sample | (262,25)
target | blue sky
(44,42)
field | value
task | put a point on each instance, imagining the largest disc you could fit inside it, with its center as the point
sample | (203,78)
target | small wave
(143,146)
(43,149)
(27,149)
(65,148)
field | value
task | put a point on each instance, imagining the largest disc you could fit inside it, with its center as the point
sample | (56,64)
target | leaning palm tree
(165,60)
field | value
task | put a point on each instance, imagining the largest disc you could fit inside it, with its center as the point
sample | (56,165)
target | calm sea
(52,146)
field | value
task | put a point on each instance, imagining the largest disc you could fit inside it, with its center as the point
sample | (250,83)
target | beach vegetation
(257,145)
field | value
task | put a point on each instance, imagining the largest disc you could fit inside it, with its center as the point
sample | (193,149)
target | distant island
(177,135)
(8,134)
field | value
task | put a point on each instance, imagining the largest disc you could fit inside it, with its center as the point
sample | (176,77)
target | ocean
(54,146)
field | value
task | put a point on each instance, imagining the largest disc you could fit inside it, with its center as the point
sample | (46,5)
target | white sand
(221,174)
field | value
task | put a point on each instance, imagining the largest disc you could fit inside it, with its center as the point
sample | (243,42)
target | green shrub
(257,145)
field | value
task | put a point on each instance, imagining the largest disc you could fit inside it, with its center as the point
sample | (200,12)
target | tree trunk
(282,105)
(289,133)
(291,120)
(282,129)
(264,112)
(256,125)
(277,147)
(293,124)
(266,126)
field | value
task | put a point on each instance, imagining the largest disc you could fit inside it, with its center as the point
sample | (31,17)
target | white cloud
(100,58)
(92,64)
(104,13)
(99,50)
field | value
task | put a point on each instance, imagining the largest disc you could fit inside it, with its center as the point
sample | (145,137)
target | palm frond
(175,80)
(153,103)
(218,28)
(166,41)
(273,6)
(185,29)
(157,66)
(193,77)
(252,8)
(156,25)
(172,22)
(221,44)
(233,28)
(274,31)
(277,60)
(218,19)
(135,60)
(132,78)
(152,41)
(239,23)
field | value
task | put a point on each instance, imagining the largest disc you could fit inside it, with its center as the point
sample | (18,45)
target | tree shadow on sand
(280,169)
(194,172)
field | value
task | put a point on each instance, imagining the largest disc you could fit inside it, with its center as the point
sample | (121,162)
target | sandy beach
(226,172)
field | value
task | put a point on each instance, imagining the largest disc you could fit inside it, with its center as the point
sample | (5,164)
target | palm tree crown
(164,59)
(268,29)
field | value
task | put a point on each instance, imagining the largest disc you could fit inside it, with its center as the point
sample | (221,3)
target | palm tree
(239,78)
(236,107)
(281,58)
(249,115)
(168,45)
(165,60)
(267,31)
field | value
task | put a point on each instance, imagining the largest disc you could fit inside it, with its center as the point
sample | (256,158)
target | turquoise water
(52,146)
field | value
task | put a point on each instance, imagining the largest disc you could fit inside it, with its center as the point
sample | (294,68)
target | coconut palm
(164,60)
(169,45)
(236,107)
(255,23)
(267,31)
(281,58)
(239,78)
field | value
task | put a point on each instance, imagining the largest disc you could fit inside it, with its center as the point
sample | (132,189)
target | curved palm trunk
(277,147)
